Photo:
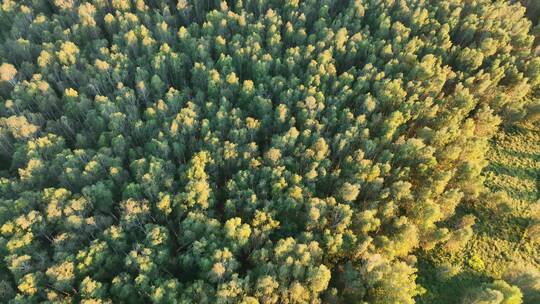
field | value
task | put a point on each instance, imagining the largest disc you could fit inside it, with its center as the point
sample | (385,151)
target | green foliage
(498,292)
(527,278)
(248,151)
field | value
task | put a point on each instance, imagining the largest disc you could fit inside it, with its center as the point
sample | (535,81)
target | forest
(270,151)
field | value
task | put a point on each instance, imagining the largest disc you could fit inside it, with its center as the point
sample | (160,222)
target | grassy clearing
(500,238)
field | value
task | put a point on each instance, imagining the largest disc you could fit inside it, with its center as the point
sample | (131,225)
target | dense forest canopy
(274,151)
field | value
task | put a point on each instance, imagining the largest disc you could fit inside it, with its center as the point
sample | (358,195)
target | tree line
(261,151)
